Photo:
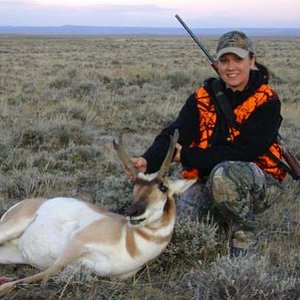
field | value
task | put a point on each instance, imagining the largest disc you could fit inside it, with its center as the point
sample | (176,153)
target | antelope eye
(163,188)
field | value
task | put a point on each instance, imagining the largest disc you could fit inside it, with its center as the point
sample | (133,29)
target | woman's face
(235,71)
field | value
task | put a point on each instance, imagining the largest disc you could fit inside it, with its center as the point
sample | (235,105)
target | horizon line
(86,30)
(151,27)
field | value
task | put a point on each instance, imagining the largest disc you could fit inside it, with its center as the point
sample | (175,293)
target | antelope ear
(179,186)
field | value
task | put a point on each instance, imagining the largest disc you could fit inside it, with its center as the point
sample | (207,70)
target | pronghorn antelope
(52,234)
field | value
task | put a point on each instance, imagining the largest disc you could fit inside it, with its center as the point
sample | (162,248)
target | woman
(228,142)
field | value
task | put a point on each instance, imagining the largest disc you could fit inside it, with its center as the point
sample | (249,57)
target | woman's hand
(178,148)
(138,163)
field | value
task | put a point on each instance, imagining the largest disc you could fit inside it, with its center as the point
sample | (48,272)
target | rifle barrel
(195,39)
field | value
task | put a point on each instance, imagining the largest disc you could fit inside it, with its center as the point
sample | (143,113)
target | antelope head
(151,191)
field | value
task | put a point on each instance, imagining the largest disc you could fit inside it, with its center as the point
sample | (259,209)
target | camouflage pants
(235,192)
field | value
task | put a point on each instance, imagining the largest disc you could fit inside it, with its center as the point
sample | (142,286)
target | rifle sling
(223,104)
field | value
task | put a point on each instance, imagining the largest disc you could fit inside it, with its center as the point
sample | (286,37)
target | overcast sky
(151,13)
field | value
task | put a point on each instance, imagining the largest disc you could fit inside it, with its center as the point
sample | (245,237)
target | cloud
(99,15)
(15,4)
(152,13)
(123,15)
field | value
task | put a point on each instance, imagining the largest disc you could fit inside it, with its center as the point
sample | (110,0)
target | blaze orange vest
(208,118)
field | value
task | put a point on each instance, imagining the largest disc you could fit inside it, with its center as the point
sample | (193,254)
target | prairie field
(64,98)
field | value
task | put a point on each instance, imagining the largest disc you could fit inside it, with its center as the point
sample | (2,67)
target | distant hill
(97,30)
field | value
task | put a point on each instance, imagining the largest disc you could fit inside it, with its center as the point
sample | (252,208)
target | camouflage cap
(234,42)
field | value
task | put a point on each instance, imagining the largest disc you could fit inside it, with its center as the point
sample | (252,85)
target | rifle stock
(292,161)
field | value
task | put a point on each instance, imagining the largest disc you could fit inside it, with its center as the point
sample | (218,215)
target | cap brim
(242,53)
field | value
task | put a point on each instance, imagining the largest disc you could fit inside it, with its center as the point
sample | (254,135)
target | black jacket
(256,134)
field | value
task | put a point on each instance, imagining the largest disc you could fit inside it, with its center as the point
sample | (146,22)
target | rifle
(201,46)
(291,160)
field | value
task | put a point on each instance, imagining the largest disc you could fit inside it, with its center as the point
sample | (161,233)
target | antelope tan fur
(52,234)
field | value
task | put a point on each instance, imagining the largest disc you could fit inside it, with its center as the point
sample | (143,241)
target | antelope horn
(127,163)
(168,159)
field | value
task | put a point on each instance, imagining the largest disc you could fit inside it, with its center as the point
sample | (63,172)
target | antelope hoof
(4,279)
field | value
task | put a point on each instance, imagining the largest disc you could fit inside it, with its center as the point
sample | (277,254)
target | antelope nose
(136,209)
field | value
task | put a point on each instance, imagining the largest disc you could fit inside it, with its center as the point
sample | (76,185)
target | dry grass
(62,99)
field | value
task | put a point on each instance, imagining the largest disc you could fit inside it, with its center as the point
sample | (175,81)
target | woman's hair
(265,71)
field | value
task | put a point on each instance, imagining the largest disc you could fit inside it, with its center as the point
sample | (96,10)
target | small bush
(60,83)
(243,278)
(178,80)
